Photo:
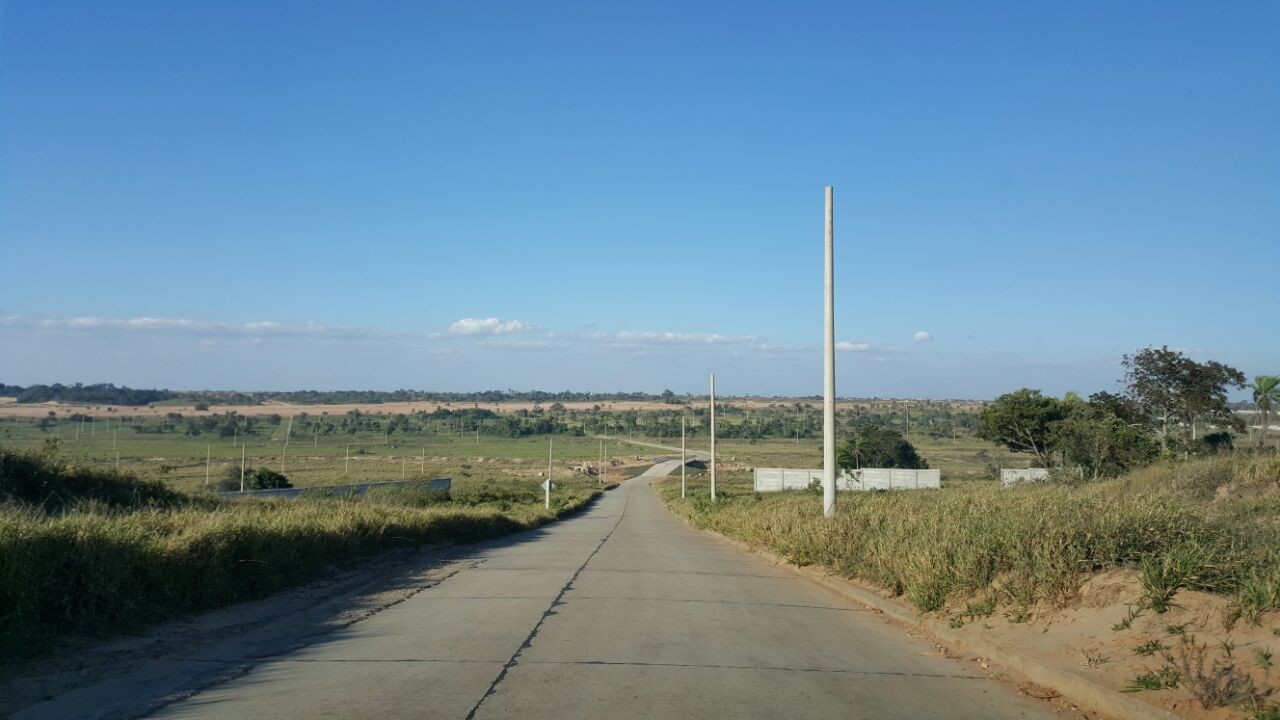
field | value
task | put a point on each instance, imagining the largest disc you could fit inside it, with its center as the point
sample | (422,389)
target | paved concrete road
(621,612)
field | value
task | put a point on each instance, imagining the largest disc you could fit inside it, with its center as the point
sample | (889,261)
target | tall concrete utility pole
(713,437)
(829,364)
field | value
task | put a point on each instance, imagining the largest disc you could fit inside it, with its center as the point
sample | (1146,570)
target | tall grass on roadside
(90,567)
(1036,543)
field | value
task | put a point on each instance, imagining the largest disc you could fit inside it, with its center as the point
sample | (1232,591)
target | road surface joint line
(770,668)
(597,598)
(318,661)
(688,572)
(528,641)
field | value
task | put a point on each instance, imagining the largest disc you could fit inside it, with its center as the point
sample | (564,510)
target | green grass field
(180,460)
(962,460)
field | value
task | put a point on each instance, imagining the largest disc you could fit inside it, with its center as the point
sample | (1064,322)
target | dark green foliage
(878,447)
(35,479)
(1023,422)
(99,394)
(254,479)
(1179,389)
(1102,437)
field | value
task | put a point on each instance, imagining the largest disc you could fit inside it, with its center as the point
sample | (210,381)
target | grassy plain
(180,460)
(966,459)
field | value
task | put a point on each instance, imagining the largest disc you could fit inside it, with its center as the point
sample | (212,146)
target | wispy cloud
(653,337)
(491,326)
(171,324)
(922,336)
(846,346)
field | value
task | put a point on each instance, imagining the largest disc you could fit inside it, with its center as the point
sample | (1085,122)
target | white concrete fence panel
(1017,476)
(779,479)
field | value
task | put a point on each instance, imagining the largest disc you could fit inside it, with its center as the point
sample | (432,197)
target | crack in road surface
(555,602)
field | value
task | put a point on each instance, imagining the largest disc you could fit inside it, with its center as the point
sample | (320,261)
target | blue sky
(330,195)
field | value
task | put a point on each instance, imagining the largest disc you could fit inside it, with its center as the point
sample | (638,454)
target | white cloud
(150,324)
(153,323)
(653,337)
(490,326)
(922,336)
(846,346)
(262,326)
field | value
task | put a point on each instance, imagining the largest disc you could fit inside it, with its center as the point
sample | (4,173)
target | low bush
(43,481)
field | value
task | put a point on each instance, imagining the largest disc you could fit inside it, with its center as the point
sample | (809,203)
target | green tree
(1266,396)
(879,447)
(254,479)
(1101,441)
(1023,422)
(1182,390)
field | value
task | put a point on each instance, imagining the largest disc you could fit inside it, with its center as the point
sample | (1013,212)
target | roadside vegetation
(1030,544)
(95,552)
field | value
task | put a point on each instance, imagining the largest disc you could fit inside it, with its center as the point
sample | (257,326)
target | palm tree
(1266,395)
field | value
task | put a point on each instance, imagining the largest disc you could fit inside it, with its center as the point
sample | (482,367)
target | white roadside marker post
(547,485)
(829,362)
(713,437)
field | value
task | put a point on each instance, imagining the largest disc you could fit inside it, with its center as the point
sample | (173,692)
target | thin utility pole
(285,445)
(682,458)
(600,475)
(346,468)
(547,486)
(422,464)
(713,437)
(207,451)
(829,362)
(403,459)
(241,468)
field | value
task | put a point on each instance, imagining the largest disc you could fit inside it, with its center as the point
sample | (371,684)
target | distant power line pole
(829,362)
(682,457)
(713,436)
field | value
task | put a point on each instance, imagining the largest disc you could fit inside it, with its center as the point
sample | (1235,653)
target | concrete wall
(1014,476)
(778,479)
(896,479)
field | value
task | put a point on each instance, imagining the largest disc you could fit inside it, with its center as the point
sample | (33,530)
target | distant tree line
(98,394)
